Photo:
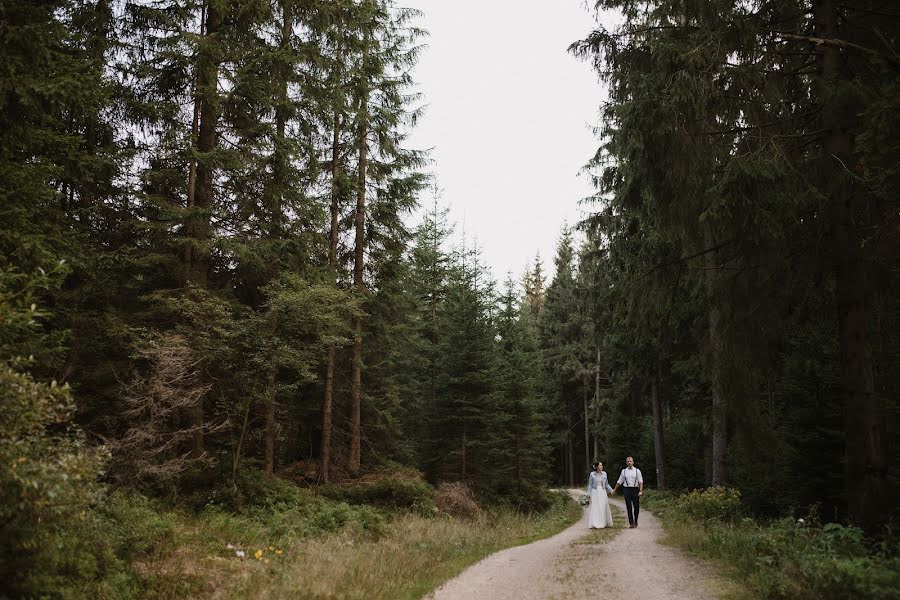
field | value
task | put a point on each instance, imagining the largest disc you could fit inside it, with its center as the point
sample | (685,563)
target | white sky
(508,117)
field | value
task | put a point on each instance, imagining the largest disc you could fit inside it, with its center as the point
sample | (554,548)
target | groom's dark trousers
(632,503)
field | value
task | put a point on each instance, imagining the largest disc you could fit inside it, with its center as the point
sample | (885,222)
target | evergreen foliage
(209,277)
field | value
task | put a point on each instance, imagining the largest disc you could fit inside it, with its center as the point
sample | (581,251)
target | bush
(252,489)
(798,559)
(715,503)
(328,517)
(91,556)
(48,479)
(522,496)
(457,500)
(388,493)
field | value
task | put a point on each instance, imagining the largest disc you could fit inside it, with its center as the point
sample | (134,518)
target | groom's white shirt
(630,477)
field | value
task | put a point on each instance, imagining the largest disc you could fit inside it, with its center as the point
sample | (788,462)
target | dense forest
(214,260)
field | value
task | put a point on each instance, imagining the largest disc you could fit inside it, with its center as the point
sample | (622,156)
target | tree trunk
(280,161)
(658,434)
(518,456)
(328,399)
(464,447)
(200,230)
(587,429)
(597,407)
(269,435)
(200,203)
(716,352)
(97,47)
(435,284)
(866,464)
(570,451)
(359,254)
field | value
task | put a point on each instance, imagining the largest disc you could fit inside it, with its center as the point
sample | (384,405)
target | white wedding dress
(599,514)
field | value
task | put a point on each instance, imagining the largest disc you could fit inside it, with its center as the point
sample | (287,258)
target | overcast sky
(508,117)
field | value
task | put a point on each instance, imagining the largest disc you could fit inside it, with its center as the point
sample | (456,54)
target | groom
(632,483)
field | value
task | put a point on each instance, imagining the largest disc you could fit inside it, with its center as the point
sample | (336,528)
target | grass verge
(314,548)
(799,559)
(414,556)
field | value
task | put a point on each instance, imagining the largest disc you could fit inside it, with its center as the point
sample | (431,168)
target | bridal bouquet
(584,500)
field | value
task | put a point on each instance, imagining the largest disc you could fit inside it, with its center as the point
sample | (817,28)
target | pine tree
(523,445)
(560,335)
(460,421)
(729,166)
(430,271)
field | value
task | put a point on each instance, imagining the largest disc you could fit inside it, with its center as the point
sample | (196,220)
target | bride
(599,515)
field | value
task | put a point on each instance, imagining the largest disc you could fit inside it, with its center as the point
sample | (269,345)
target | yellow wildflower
(279,551)
(258,554)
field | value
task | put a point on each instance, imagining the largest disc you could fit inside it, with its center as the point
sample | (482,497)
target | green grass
(269,538)
(415,556)
(782,559)
(299,545)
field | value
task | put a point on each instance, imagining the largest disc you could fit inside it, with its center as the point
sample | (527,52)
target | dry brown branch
(157,405)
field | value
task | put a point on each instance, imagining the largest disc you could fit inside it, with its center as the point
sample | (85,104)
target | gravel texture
(632,565)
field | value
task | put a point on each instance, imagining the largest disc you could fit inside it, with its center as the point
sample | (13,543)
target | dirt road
(568,565)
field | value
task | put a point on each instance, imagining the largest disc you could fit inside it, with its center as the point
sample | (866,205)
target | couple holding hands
(632,483)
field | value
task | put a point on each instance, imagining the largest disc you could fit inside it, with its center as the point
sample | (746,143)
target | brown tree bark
(98,45)
(597,407)
(279,181)
(269,435)
(200,230)
(358,264)
(658,433)
(587,428)
(200,190)
(518,471)
(465,446)
(716,350)
(866,461)
(328,398)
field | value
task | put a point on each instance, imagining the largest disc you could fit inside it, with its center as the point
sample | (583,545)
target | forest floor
(615,563)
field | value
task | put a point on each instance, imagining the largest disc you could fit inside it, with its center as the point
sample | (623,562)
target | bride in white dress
(599,515)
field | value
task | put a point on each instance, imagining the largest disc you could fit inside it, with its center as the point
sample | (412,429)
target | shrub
(788,558)
(388,493)
(457,500)
(91,555)
(715,503)
(522,496)
(252,489)
(48,479)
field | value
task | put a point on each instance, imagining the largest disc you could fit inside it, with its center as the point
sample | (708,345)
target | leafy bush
(388,493)
(798,559)
(90,556)
(715,503)
(327,517)
(522,496)
(251,489)
(49,476)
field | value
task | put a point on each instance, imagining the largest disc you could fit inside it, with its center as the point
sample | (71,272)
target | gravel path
(633,565)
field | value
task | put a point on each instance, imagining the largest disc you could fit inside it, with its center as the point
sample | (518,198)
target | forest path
(568,565)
